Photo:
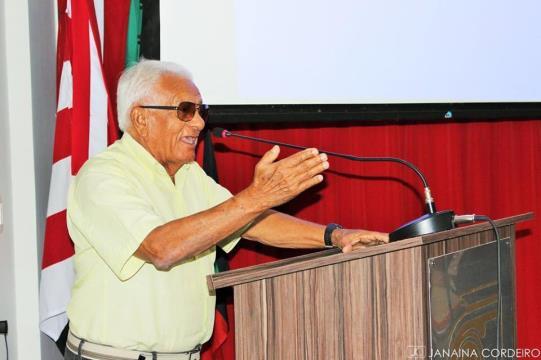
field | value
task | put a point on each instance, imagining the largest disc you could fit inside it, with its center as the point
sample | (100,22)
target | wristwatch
(328,233)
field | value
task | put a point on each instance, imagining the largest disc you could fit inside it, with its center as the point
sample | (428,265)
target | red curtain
(491,168)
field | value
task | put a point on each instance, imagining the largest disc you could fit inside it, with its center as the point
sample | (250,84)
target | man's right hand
(277,182)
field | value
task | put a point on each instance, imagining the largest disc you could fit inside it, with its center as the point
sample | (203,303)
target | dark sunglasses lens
(186,111)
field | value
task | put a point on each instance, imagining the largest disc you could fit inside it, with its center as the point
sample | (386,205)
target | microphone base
(426,224)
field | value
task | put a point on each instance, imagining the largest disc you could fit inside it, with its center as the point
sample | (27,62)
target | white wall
(27,98)
(43,70)
(7,282)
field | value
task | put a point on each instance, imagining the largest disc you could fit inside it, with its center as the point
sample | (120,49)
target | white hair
(138,82)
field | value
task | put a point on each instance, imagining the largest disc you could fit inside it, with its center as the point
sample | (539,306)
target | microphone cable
(7,349)
(429,200)
(4,331)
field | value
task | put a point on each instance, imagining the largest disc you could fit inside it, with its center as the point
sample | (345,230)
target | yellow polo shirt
(115,201)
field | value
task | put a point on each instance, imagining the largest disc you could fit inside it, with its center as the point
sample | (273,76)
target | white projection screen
(244,52)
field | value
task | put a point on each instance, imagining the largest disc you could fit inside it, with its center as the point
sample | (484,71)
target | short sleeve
(217,194)
(106,211)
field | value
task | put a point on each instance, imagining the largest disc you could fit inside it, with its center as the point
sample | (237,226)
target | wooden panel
(323,315)
(459,243)
(380,320)
(359,306)
(406,317)
(434,249)
(285,317)
(250,320)
(507,231)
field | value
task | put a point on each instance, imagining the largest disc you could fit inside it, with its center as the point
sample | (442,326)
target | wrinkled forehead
(175,87)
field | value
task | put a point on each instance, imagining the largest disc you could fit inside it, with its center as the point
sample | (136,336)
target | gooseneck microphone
(433,221)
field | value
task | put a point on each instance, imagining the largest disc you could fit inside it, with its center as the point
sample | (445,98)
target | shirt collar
(146,159)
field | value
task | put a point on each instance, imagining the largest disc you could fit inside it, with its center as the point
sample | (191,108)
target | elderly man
(145,220)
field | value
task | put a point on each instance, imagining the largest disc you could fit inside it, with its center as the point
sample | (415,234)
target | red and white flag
(85,125)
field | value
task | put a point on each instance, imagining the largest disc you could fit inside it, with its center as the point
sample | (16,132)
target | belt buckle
(195,350)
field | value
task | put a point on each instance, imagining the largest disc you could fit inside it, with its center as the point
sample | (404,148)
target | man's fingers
(310,182)
(311,164)
(270,156)
(358,239)
(316,166)
(309,167)
(383,237)
(347,248)
(374,238)
(282,180)
(299,157)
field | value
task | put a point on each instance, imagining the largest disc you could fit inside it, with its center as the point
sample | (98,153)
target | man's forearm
(282,230)
(278,229)
(183,238)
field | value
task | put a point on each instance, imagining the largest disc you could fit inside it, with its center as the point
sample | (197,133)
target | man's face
(172,141)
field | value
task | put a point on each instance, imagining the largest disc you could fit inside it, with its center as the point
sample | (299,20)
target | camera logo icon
(416,352)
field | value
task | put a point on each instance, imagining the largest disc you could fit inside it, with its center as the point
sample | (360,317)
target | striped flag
(85,125)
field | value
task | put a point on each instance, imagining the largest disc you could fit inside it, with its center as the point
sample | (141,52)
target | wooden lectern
(403,300)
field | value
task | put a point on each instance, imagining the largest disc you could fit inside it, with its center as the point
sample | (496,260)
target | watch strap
(327,237)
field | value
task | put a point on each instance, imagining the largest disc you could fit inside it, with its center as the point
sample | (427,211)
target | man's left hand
(351,239)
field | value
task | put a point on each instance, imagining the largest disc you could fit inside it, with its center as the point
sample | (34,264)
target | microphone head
(220,132)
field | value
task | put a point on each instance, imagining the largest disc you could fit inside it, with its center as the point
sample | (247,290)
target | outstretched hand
(277,182)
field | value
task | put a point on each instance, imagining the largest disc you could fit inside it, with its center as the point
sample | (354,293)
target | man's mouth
(190,140)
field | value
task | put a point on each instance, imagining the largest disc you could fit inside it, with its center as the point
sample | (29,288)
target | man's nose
(197,121)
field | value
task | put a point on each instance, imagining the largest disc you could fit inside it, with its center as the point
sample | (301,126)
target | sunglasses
(185,110)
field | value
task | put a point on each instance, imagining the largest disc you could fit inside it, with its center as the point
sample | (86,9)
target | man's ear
(139,121)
